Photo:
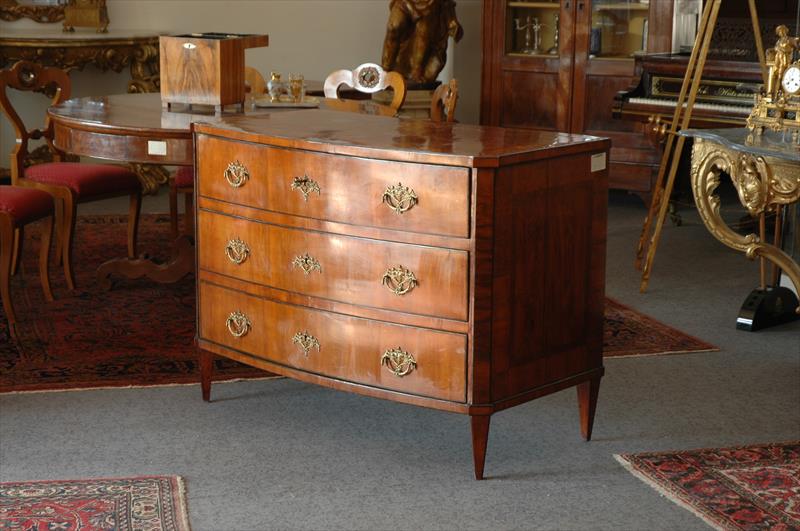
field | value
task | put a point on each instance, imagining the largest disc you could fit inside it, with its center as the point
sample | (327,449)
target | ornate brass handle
(238,324)
(237,251)
(306,263)
(400,198)
(236,174)
(399,280)
(398,361)
(305,341)
(306,185)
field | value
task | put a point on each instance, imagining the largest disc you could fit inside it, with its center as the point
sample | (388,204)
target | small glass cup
(297,87)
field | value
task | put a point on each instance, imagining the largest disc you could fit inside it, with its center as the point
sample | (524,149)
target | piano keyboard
(743,110)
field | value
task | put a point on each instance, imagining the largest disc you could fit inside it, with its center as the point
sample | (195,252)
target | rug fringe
(106,387)
(665,353)
(671,496)
(183,517)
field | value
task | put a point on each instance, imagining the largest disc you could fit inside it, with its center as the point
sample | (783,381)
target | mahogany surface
(509,310)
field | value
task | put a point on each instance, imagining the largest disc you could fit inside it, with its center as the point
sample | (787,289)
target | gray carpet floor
(278,454)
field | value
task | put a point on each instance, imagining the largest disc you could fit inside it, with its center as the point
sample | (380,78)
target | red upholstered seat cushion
(85,180)
(25,204)
(184,177)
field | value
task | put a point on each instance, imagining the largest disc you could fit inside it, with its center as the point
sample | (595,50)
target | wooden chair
(70,183)
(18,207)
(368,78)
(182,180)
(443,102)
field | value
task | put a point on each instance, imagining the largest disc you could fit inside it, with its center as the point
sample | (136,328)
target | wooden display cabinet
(568,82)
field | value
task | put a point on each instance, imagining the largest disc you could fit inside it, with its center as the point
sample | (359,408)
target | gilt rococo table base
(763,183)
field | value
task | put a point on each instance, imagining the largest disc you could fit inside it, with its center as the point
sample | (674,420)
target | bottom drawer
(402,358)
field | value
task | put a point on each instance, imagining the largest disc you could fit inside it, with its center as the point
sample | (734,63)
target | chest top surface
(401,139)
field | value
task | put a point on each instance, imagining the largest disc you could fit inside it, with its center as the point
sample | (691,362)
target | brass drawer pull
(399,280)
(238,324)
(306,185)
(237,251)
(400,198)
(236,174)
(306,263)
(305,341)
(398,361)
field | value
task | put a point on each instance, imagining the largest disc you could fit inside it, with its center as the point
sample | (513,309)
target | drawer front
(394,276)
(401,358)
(413,197)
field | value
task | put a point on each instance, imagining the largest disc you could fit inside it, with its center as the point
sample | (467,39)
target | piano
(725,98)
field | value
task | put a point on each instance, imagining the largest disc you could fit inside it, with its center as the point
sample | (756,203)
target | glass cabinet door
(532,28)
(619,28)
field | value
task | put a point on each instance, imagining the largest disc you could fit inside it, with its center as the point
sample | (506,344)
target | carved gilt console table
(116,50)
(766,174)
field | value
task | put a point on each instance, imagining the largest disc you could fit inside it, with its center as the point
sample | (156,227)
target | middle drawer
(395,276)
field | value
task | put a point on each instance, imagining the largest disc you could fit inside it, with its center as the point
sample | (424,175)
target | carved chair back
(443,102)
(30,77)
(368,78)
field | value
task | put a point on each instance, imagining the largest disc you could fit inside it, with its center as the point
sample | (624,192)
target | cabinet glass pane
(619,28)
(532,28)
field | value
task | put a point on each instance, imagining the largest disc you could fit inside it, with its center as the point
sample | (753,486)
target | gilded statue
(780,57)
(416,38)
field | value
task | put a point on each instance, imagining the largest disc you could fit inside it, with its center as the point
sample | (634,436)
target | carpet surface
(148,503)
(142,333)
(747,487)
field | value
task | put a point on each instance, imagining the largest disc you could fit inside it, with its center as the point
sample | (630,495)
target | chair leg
(59,221)
(16,249)
(6,257)
(67,236)
(173,208)
(133,222)
(44,259)
(189,213)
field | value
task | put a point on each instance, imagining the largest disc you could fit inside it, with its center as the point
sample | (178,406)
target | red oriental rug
(747,487)
(142,333)
(155,503)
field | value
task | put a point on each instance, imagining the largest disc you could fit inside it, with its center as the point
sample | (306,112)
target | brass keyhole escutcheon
(307,263)
(306,185)
(237,251)
(238,324)
(400,198)
(236,174)
(399,280)
(398,361)
(305,341)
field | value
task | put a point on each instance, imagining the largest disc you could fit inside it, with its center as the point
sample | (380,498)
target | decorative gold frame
(11,10)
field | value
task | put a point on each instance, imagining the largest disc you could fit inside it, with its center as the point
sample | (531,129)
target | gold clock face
(791,80)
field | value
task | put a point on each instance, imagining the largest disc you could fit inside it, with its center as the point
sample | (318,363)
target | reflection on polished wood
(483,292)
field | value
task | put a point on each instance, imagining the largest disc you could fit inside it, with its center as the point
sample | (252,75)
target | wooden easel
(681,120)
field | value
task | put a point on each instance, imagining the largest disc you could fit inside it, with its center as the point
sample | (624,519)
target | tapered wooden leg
(587,403)
(59,232)
(16,250)
(6,259)
(206,371)
(133,222)
(480,437)
(44,258)
(67,236)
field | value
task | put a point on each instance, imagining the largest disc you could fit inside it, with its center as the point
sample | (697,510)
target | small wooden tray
(266,101)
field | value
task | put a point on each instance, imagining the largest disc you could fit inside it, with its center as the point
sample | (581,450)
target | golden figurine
(416,38)
(780,57)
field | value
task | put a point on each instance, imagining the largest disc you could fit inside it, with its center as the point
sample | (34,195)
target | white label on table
(598,162)
(159,147)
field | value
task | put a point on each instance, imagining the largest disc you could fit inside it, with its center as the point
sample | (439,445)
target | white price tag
(159,147)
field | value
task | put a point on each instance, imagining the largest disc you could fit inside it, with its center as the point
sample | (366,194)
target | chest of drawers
(444,265)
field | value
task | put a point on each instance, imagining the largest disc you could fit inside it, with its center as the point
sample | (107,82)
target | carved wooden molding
(12,10)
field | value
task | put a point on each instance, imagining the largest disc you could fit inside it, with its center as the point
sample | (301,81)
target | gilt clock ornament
(778,106)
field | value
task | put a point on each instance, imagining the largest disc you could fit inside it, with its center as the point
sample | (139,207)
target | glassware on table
(297,87)
(275,86)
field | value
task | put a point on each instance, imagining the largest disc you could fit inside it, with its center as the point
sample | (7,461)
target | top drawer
(396,195)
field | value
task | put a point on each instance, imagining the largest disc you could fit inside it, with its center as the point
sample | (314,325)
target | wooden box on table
(449,266)
(205,68)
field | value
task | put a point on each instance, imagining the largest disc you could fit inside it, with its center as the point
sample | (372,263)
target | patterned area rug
(748,487)
(142,333)
(154,503)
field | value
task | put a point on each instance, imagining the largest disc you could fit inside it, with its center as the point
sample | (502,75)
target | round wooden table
(134,128)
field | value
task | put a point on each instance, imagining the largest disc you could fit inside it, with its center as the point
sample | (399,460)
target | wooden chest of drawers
(443,265)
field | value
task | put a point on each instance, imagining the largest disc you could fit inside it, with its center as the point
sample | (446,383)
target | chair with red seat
(18,207)
(70,183)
